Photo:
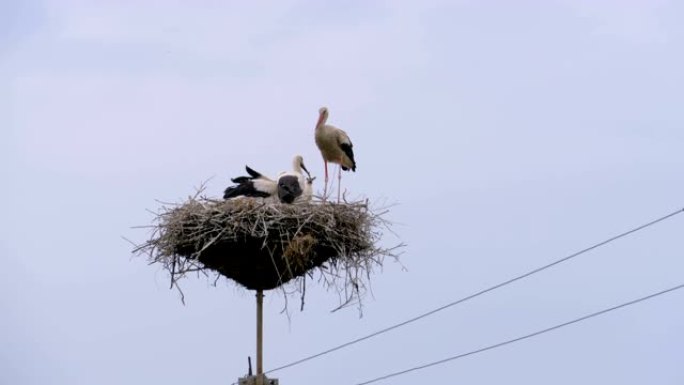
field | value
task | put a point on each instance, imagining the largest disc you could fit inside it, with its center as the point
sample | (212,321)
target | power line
(500,344)
(477,294)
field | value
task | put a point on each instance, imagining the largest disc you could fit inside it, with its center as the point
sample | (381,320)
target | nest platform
(262,245)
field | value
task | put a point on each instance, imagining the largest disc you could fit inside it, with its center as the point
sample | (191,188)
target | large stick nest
(262,245)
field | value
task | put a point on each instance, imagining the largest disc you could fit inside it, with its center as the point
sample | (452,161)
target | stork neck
(321,121)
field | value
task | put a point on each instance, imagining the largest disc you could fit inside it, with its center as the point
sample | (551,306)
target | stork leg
(339,182)
(325,186)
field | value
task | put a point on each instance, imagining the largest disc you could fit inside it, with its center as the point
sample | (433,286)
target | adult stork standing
(287,188)
(335,147)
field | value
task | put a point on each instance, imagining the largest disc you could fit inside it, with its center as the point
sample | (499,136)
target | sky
(506,134)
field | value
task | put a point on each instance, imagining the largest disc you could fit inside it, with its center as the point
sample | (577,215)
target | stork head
(322,116)
(298,165)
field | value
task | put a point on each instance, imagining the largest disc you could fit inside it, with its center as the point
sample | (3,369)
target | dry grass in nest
(263,245)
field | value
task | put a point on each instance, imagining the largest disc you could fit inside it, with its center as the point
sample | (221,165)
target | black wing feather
(347,149)
(245,186)
(241,179)
(244,189)
(252,173)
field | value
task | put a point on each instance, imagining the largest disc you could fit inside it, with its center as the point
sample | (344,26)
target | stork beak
(307,171)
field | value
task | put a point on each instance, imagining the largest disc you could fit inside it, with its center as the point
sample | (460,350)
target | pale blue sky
(509,133)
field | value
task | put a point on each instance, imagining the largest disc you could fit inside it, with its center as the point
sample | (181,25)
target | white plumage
(335,147)
(293,185)
(289,187)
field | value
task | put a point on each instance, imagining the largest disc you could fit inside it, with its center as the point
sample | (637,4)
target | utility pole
(260,338)
(259,378)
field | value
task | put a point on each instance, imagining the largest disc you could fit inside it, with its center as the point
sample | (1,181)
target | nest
(263,245)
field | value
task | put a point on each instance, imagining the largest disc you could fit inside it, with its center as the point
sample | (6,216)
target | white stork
(287,188)
(293,186)
(335,147)
(255,185)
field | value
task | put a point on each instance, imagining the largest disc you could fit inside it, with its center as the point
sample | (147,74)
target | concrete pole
(260,338)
